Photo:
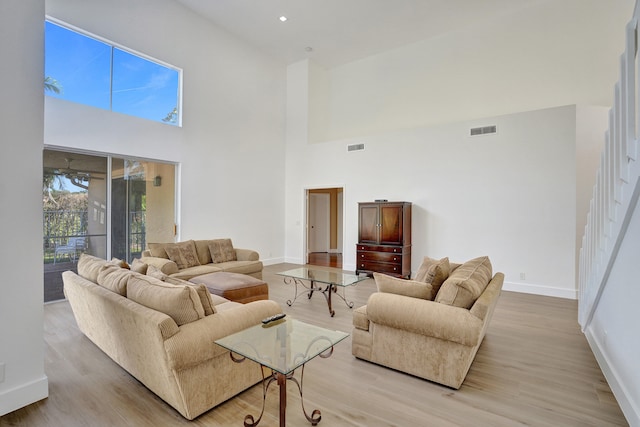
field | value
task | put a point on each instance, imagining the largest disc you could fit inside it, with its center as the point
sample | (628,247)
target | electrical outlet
(1,372)
(523,276)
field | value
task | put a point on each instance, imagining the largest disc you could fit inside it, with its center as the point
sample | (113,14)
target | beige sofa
(192,258)
(163,334)
(432,326)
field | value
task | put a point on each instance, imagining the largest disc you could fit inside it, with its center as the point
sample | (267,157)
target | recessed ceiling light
(283,18)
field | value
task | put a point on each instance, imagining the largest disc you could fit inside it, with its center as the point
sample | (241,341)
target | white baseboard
(294,260)
(549,291)
(621,393)
(25,394)
(272,261)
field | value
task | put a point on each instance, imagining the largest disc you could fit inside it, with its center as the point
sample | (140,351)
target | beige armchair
(432,334)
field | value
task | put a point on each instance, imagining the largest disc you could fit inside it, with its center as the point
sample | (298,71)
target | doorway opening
(324,227)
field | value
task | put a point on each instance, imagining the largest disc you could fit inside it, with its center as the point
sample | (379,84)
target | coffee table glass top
(324,276)
(283,345)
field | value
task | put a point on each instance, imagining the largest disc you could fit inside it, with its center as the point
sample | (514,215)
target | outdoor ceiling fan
(78,177)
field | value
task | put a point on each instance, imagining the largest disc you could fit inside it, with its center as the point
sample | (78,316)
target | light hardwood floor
(534,368)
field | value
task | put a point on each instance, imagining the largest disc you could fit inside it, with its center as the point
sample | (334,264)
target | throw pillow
(409,288)
(181,303)
(466,283)
(434,272)
(138,266)
(202,248)
(183,254)
(222,250)
(155,272)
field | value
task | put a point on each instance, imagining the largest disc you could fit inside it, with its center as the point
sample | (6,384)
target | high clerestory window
(92,71)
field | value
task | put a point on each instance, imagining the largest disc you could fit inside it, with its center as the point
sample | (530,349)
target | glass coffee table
(282,346)
(323,281)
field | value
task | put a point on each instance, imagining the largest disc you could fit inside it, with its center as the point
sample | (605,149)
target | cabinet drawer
(379,256)
(378,248)
(381,267)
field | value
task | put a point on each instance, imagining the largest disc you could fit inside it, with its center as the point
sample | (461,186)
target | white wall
(552,53)
(231,145)
(21,130)
(511,196)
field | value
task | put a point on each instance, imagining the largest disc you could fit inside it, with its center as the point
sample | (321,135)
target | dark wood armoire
(384,238)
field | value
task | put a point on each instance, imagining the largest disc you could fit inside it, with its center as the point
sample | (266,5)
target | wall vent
(355,147)
(483,130)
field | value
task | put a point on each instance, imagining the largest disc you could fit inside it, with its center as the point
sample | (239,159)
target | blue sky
(82,67)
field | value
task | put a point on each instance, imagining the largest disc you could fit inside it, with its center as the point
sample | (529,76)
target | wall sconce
(157,181)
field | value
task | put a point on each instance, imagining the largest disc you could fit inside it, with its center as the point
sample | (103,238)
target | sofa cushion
(89,266)
(466,283)
(203,293)
(409,288)
(242,267)
(433,271)
(181,303)
(114,278)
(198,270)
(202,248)
(157,249)
(222,250)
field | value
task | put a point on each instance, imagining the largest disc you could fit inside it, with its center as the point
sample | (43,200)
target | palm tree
(52,85)
(172,117)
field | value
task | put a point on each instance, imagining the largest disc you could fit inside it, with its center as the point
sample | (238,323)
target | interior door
(319,225)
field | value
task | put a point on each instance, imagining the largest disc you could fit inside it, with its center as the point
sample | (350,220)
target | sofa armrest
(425,317)
(167,266)
(486,303)
(246,255)
(195,344)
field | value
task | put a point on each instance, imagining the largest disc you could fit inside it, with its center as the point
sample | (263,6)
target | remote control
(273,318)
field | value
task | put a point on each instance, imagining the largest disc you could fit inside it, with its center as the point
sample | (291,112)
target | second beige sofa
(191,258)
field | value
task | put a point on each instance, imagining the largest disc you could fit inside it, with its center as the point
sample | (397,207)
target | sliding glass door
(142,205)
(87,204)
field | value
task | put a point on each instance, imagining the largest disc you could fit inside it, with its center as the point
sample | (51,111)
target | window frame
(114,45)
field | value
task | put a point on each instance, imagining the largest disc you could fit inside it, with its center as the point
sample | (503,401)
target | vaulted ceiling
(334,32)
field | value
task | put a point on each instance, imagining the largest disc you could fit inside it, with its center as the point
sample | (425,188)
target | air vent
(355,147)
(483,130)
